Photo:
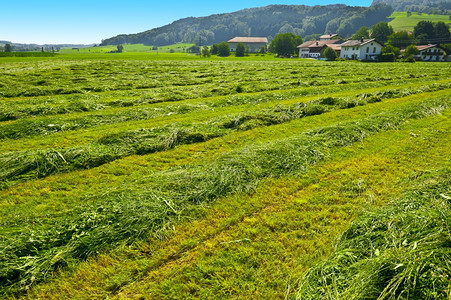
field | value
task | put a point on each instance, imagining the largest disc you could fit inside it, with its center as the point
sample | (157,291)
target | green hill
(263,21)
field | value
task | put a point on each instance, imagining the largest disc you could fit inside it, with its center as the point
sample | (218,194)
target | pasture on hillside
(402,21)
(174,177)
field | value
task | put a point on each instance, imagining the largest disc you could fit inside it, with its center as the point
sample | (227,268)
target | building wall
(432,54)
(366,52)
(253,47)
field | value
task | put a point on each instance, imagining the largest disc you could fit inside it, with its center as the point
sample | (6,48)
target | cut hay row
(91,102)
(29,165)
(48,125)
(401,251)
(125,215)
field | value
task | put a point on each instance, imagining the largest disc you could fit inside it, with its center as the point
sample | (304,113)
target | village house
(314,49)
(254,44)
(430,53)
(327,37)
(363,49)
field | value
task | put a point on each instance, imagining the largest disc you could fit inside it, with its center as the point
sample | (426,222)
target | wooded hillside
(426,6)
(263,21)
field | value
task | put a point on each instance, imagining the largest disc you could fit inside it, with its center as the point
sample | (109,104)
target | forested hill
(263,21)
(426,6)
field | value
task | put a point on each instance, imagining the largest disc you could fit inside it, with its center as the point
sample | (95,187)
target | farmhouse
(430,53)
(327,37)
(362,49)
(254,44)
(314,49)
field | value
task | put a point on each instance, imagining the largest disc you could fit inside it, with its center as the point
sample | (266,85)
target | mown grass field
(177,48)
(400,20)
(130,177)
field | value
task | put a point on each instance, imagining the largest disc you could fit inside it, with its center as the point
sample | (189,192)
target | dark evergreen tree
(240,49)
(8,48)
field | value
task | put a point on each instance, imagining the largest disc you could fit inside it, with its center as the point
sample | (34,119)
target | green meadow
(170,176)
(401,21)
(176,48)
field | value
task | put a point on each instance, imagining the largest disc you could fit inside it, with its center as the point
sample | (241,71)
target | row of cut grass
(257,246)
(399,251)
(128,214)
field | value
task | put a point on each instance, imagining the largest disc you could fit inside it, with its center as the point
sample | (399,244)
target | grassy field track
(132,177)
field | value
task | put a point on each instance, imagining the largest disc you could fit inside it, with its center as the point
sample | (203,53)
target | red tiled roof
(424,47)
(320,43)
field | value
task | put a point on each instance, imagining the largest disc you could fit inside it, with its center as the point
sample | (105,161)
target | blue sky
(85,22)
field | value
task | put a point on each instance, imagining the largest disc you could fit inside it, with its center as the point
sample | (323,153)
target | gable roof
(239,39)
(424,47)
(358,43)
(317,44)
(328,36)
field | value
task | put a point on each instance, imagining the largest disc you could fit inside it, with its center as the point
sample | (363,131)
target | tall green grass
(401,251)
(146,207)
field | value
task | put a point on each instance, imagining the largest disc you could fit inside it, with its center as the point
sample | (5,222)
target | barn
(254,44)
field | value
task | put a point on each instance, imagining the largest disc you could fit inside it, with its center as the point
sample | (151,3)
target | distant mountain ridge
(265,21)
(426,6)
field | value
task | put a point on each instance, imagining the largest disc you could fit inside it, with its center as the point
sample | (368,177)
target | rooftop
(353,43)
(311,44)
(239,39)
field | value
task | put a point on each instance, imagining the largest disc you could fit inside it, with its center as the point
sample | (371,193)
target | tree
(401,39)
(206,51)
(224,49)
(330,53)
(381,31)
(441,30)
(194,49)
(120,48)
(8,48)
(362,33)
(387,49)
(240,49)
(424,30)
(412,50)
(214,49)
(285,44)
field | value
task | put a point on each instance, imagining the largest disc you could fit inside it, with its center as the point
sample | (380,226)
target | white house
(361,49)
(430,53)
(314,49)
(254,44)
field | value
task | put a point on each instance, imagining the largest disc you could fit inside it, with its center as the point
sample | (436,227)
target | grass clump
(401,251)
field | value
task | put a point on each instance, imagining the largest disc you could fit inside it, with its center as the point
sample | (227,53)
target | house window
(367,49)
(374,50)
